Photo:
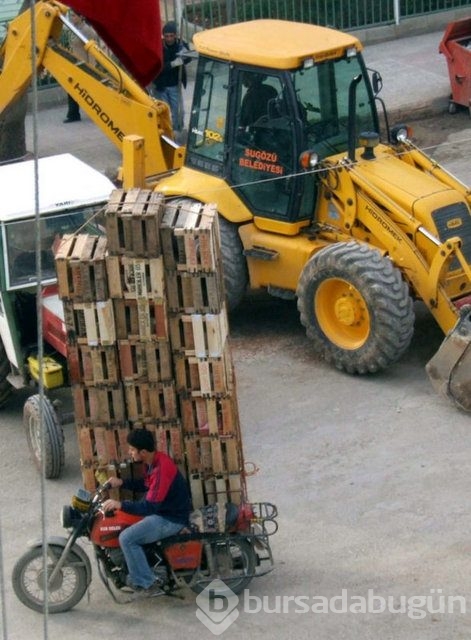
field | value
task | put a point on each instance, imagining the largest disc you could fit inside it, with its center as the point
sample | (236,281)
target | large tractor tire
(356,307)
(234,263)
(5,386)
(46,437)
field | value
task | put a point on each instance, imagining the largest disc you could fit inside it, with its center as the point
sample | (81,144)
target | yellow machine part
(52,372)
(449,368)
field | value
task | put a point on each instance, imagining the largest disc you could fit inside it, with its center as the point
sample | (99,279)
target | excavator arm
(109,96)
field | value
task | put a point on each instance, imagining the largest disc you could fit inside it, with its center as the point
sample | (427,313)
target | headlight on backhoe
(400,133)
(308,160)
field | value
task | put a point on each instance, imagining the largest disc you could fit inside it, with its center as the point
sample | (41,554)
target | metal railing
(193,15)
(340,14)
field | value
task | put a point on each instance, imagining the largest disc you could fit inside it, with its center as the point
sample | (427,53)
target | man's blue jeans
(171,95)
(148,530)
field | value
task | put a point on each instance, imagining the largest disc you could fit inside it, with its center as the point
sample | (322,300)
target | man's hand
(177,62)
(111,505)
(115,482)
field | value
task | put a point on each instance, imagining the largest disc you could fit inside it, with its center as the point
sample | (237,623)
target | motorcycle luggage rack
(262,525)
(263,519)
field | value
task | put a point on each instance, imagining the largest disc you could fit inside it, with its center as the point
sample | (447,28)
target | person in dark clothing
(165,506)
(256,98)
(78,49)
(167,85)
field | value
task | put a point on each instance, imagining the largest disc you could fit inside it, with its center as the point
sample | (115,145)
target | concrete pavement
(415,81)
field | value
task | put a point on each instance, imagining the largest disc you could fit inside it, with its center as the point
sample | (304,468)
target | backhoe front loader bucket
(450,368)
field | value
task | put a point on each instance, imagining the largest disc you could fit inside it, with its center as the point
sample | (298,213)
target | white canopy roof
(65,182)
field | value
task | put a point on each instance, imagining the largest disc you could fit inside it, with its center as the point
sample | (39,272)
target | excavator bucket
(450,368)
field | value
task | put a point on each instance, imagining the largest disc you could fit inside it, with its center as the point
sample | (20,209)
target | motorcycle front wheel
(232,561)
(67,589)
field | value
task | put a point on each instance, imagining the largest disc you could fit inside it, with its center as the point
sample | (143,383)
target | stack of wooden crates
(148,347)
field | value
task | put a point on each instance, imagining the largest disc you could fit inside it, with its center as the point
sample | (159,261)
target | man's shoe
(143,592)
(74,119)
(130,586)
(153,591)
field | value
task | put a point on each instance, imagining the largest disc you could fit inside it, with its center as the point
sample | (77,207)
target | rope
(37,232)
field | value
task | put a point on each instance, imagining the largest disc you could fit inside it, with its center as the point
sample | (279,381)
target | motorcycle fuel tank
(106,529)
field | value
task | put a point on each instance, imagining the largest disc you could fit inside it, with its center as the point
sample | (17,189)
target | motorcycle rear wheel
(232,561)
(65,592)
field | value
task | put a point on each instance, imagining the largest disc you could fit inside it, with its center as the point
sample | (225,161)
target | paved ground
(371,475)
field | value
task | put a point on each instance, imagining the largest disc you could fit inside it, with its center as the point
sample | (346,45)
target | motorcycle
(225,542)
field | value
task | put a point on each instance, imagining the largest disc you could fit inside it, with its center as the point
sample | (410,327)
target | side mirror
(377,82)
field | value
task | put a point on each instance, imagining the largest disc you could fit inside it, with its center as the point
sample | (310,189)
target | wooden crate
(200,335)
(209,416)
(132,221)
(204,376)
(88,477)
(93,366)
(198,454)
(133,278)
(149,401)
(194,292)
(103,449)
(99,405)
(169,439)
(141,319)
(90,323)
(213,454)
(190,236)
(221,488)
(81,268)
(103,446)
(196,483)
(149,361)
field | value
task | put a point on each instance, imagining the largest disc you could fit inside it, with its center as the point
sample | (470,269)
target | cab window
(264,143)
(206,138)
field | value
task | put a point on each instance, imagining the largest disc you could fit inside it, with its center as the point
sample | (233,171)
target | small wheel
(232,561)
(355,307)
(452,108)
(67,589)
(45,437)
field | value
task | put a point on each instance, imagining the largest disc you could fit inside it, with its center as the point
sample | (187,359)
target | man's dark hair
(170,27)
(141,439)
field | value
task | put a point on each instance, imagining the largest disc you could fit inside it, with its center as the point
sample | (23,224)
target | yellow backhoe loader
(315,201)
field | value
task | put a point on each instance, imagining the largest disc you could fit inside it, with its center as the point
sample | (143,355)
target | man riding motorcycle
(165,506)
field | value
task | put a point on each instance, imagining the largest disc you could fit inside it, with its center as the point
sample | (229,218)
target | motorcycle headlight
(70,517)
(81,500)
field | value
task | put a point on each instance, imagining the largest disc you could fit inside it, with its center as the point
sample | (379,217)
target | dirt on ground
(429,133)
